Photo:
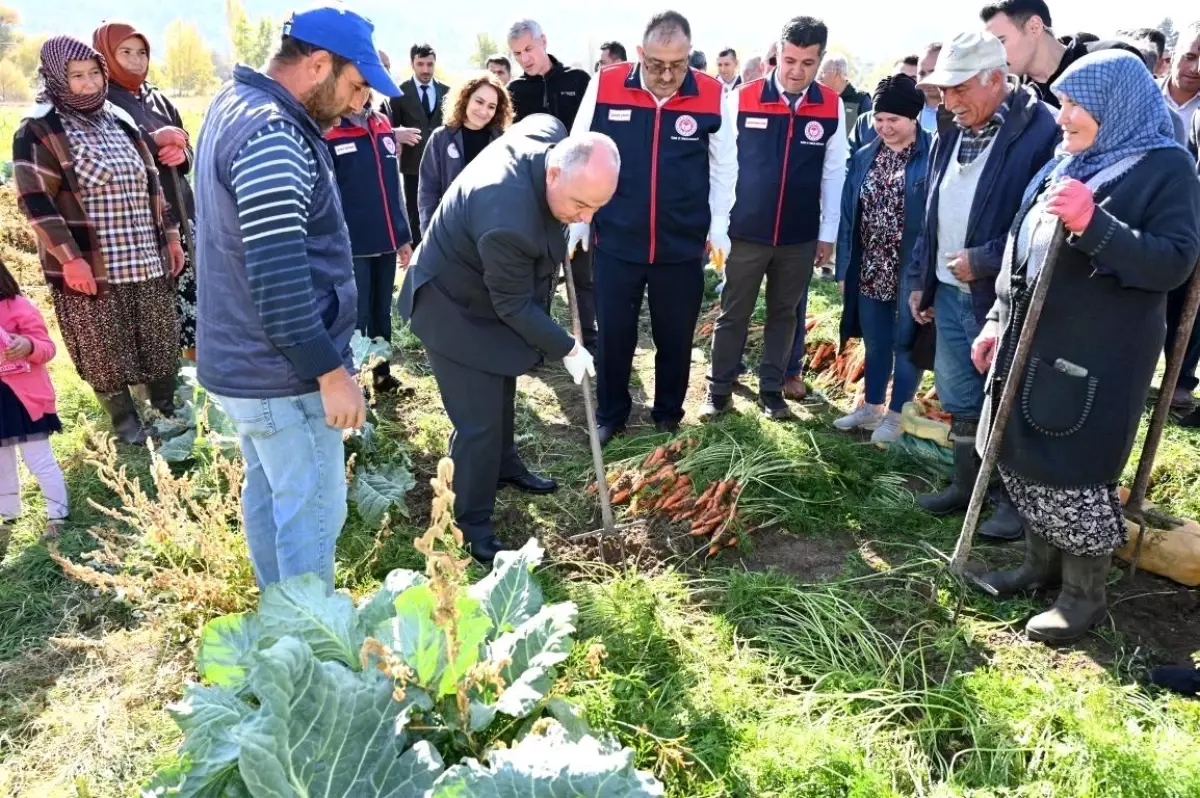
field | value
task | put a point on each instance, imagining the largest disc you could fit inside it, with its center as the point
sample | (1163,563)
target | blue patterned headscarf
(1115,87)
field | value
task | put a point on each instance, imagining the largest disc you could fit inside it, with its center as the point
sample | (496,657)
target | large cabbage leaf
(509,594)
(226,646)
(322,729)
(381,607)
(208,766)
(550,766)
(301,608)
(422,644)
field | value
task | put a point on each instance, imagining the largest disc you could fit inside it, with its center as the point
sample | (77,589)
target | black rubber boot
(957,495)
(1042,568)
(1006,524)
(1081,603)
(162,396)
(123,412)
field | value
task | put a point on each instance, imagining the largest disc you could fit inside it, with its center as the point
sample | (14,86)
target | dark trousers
(676,291)
(480,406)
(788,270)
(375,276)
(1175,302)
(410,205)
(585,295)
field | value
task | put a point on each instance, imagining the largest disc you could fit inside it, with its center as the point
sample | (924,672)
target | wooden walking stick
(962,551)
(589,405)
(1134,509)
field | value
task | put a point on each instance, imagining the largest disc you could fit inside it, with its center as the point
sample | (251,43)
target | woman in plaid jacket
(108,243)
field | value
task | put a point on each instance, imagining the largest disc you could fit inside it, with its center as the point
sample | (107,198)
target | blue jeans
(959,383)
(294,494)
(885,343)
(796,361)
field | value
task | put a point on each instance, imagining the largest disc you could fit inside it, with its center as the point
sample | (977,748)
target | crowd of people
(933,200)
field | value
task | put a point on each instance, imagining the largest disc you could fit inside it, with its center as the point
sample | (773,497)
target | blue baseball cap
(344,33)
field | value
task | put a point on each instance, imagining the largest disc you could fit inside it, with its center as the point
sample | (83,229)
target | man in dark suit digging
(477,297)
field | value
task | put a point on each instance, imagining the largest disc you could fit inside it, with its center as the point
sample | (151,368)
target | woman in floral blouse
(882,204)
(108,243)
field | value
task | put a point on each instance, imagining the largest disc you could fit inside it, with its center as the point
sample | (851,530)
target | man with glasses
(678,172)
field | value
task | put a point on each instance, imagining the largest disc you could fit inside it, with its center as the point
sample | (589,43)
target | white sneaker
(865,417)
(890,430)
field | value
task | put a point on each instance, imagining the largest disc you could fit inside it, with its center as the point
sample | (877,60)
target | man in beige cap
(978,172)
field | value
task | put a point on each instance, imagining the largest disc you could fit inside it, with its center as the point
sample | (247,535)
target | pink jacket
(18,316)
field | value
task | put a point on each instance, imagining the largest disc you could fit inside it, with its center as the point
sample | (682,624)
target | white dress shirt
(833,175)
(1185,110)
(722,154)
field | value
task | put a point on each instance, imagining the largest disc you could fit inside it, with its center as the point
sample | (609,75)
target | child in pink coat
(27,412)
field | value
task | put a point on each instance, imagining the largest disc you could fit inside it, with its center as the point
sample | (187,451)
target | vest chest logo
(566,94)
(389,144)
(813,131)
(345,149)
(452,150)
(620,114)
(686,126)
(756,123)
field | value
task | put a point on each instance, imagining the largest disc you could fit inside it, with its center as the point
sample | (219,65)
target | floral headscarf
(57,52)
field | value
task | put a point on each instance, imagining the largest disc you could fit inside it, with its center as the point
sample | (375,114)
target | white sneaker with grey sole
(890,430)
(867,417)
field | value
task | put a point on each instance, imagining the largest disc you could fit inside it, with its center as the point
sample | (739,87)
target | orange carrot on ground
(655,457)
(621,497)
(593,489)
(810,323)
(722,489)
(714,550)
(661,475)
(733,541)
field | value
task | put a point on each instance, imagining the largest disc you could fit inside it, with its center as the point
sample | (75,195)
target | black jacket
(151,110)
(1075,50)
(1105,314)
(478,288)
(407,111)
(557,93)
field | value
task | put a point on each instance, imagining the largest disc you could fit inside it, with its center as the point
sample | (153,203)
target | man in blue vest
(277,301)
(791,166)
(678,171)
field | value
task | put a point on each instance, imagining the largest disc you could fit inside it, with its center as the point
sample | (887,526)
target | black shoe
(1005,525)
(714,405)
(773,405)
(1182,679)
(666,426)
(530,482)
(485,550)
(384,382)
(162,396)
(609,431)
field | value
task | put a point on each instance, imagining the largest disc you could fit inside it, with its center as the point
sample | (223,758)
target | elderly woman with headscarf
(107,241)
(127,51)
(1128,197)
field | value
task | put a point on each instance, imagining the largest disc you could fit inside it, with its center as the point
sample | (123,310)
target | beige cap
(965,57)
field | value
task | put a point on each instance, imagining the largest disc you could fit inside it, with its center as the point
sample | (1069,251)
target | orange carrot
(810,323)
(621,497)
(714,550)
(733,541)
(663,474)
(722,489)
(655,457)
(593,489)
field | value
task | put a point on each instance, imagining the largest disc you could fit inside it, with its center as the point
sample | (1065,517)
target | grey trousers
(788,270)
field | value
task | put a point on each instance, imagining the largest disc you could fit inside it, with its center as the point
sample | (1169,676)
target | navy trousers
(676,291)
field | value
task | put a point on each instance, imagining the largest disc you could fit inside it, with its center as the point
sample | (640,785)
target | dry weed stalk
(185,539)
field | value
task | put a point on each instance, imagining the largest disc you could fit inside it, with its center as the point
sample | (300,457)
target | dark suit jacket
(478,287)
(407,111)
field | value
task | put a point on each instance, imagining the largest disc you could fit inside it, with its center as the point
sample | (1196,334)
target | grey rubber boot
(957,495)
(1006,523)
(162,396)
(122,411)
(1081,603)
(1041,568)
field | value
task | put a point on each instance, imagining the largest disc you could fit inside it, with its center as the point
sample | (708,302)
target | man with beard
(277,300)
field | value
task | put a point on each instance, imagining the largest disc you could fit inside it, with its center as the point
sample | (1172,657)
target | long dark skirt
(128,337)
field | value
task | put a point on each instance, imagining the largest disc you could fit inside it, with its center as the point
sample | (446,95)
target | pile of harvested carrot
(657,487)
(845,368)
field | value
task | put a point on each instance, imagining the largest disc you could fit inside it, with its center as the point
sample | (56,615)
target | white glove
(578,234)
(719,241)
(578,363)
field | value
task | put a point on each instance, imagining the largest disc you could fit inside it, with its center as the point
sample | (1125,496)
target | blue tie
(425,100)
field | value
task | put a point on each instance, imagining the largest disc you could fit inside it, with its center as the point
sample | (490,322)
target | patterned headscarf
(1115,87)
(106,39)
(56,53)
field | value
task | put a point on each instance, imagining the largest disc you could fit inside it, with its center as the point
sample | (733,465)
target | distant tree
(1168,29)
(14,86)
(187,60)
(27,55)
(485,48)
(9,35)
(252,40)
